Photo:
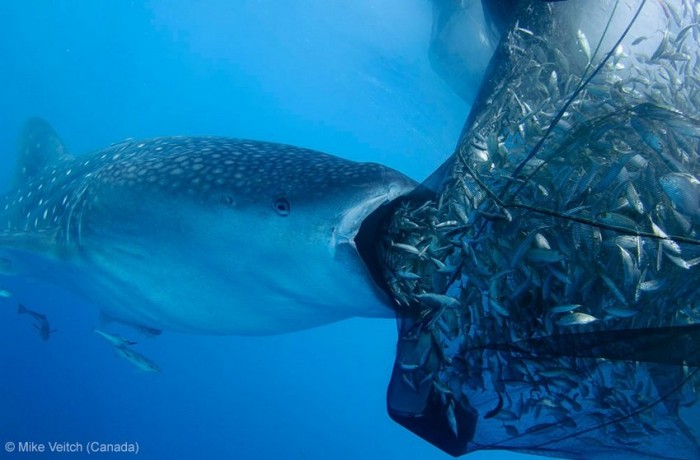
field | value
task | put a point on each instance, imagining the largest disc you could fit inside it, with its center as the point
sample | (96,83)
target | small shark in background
(42,324)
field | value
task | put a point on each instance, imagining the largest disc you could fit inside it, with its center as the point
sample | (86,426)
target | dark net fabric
(547,276)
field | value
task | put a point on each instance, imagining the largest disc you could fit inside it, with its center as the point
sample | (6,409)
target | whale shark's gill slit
(74,214)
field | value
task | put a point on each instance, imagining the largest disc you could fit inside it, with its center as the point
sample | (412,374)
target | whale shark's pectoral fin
(25,255)
(39,145)
(149,332)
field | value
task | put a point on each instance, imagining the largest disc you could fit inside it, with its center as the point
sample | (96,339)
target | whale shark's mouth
(367,240)
(353,219)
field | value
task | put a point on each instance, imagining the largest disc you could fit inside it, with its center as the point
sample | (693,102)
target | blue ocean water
(350,78)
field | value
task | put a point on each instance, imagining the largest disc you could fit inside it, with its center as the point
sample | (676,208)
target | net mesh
(547,276)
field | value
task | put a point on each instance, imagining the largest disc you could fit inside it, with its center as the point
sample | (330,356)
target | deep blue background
(347,77)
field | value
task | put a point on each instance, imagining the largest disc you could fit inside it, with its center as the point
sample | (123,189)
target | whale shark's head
(227,236)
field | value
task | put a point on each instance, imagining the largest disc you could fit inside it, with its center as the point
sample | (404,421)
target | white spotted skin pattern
(194,166)
(204,234)
(43,204)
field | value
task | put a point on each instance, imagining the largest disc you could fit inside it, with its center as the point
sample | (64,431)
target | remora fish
(114,339)
(42,324)
(137,359)
(199,234)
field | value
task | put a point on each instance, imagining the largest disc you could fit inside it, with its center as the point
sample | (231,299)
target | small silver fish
(683,190)
(498,308)
(575,319)
(5,294)
(613,288)
(506,415)
(667,243)
(447,224)
(630,269)
(620,312)
(564,308)
(585,47)
(634,199)
(408,248)
(617,220)
(410,276)
(684,264)
(438,300)
(544,255)
(452,419)
(650,285)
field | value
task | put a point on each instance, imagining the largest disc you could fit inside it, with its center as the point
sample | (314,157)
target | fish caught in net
(547,276)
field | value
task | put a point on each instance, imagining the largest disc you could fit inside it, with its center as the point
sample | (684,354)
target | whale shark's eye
(281,206)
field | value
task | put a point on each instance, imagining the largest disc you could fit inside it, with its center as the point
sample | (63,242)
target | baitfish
(576,180)
(683,190)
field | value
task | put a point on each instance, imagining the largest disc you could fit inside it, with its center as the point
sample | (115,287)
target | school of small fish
(573,205)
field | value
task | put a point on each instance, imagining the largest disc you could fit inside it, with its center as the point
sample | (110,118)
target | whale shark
(203,235)
(542,276)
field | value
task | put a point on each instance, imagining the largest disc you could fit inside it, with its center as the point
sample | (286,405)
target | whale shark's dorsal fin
(39,145)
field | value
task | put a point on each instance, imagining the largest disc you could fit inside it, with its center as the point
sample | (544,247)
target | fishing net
(547,276)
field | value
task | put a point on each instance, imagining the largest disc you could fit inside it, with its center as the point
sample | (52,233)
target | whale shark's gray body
(200,235)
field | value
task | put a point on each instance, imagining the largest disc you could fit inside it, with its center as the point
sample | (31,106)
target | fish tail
(21,309)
